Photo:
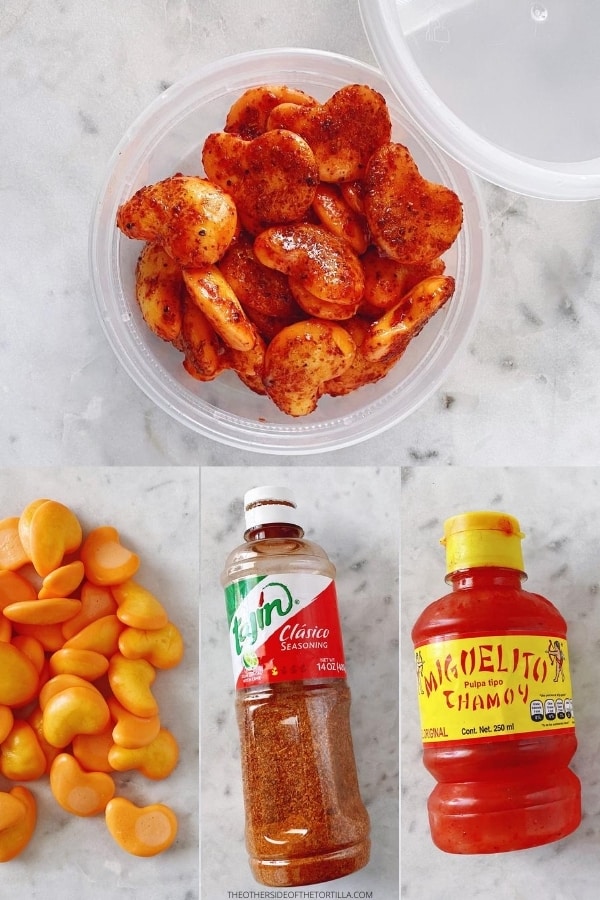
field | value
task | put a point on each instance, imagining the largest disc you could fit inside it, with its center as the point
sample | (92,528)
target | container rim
(180,402)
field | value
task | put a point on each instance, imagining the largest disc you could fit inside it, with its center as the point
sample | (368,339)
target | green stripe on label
(237,592)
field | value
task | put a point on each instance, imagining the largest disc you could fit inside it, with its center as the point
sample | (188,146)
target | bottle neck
(273,530)
(485,576)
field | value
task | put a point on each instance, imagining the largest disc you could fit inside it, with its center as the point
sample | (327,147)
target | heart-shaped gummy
(342,132)
(411,219)
(272,178)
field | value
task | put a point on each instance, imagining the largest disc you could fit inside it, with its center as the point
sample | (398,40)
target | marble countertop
(355,518)
(156,512)
(524,389)
(558,511)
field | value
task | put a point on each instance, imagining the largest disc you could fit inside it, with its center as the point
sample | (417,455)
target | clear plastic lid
(509,88)
(269,504)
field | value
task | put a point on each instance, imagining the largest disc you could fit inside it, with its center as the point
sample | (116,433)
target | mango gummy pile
(80,645)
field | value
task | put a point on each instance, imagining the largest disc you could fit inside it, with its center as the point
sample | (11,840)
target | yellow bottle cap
(482,538)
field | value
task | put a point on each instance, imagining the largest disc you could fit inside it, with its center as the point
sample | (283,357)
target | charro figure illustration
(557,658)
(420,666)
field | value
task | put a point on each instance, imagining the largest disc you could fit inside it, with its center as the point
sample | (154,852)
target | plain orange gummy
(15,838)
(162,647)
(96,602)
(62,581)
(141,831)
(79,792)
(6,721)
(21,757)
(36,720)
(102,635)
(156,761)
(11,810)
(49,636)
(61,682)
(53,531)
(49,611)
(138,607)
(18,676)
(91,750)
(88,664)
(14,588)
(130,681)
(12,553)
(132,731)
(76,710)
(5,629)
(32,648)
(25,523)
(105,559)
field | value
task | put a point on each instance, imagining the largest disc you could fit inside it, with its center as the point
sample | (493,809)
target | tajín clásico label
(283,628)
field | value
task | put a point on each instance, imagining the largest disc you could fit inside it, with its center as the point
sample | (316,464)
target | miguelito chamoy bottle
(305,820)
(495,698)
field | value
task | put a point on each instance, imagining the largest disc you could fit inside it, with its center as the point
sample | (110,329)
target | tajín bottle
(495,698)
(305,820)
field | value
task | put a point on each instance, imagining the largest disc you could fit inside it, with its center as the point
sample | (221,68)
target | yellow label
(493,687)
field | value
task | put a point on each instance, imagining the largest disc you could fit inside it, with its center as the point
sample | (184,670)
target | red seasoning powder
(305,820)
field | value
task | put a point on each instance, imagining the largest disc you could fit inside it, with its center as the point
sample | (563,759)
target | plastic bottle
(305,820)
(495,698)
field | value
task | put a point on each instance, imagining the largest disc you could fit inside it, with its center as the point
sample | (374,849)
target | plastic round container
(509,88)
(168,138)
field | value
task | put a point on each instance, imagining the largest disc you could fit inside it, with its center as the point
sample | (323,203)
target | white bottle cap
(268,505)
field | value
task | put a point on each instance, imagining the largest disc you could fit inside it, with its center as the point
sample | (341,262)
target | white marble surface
(155,511)
(558,510)
(74,77)
(355,517)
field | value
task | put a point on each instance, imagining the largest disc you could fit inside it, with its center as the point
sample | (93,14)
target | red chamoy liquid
(495,699)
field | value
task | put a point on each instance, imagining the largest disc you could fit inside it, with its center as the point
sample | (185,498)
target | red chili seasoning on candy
(495,698)
(305,820)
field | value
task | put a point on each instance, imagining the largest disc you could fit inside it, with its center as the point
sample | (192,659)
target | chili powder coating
(305,820)
(307,771)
